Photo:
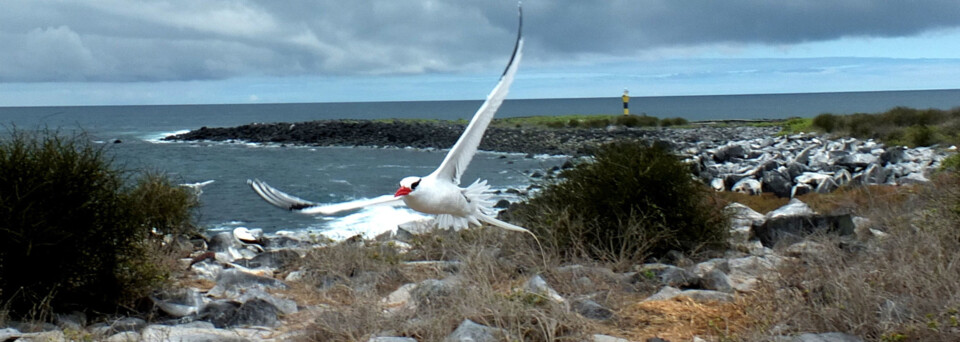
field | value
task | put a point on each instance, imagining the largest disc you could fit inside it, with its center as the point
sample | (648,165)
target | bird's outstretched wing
(292,203)
(459,157)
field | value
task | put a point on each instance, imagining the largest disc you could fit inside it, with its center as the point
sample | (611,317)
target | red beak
(402,191)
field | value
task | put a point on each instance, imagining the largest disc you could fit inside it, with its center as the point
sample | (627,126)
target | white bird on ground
(438,193)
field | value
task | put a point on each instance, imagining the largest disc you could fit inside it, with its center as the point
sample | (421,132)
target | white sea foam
(225,226)
(370,222)
(158,137)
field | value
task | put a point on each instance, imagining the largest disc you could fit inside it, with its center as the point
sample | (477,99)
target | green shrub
(673,122)
(920,135)
(596,123)
(630,201)
(827,122)
(74,235)
(628,121)
(951,163)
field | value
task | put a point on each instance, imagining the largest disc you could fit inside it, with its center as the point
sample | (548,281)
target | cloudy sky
(234,51)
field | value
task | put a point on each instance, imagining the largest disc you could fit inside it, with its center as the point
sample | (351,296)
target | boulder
(827,337)
(607,338)
(221,242)
(470,331)
(728,152)
(857,160)
(705,296)
(232,282)
(665,293)
(537,285)
(747,186)
(191,334)
(256,312)
(793,221)
(800,189)
(716,280)
(592,310)
(391,339)
(434,292)
(777,183)
(670,275)
(746,272)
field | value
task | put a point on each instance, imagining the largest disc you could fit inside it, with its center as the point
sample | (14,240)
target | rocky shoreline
(741,158)
(442,135)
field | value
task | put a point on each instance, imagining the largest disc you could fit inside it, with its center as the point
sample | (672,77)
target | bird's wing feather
(459,157)
(286,201)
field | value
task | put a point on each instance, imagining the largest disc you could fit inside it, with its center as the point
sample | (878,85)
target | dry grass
(859,200)
(346,283)
(899,288)
(681,319)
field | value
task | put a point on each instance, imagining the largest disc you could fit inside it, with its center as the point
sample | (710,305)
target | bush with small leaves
(74,234)
(827,122)
(632,200)
(673,122)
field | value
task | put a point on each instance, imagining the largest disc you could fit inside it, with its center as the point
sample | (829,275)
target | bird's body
(438,193)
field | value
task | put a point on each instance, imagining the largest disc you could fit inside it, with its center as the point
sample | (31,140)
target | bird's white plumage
(438,193)
(459,157)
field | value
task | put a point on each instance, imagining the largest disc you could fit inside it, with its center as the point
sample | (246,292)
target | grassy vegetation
(564,121)
(901,287)
(75,234)
(897,126)
(588,121)
(490,266)
(631,201)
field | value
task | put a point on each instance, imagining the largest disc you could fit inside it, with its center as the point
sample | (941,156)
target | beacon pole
(626,102)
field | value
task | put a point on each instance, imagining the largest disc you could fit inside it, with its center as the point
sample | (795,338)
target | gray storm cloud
(120,41)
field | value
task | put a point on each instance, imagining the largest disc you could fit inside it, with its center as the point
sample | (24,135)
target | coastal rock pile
(741,158)
(442,135)
(793,165)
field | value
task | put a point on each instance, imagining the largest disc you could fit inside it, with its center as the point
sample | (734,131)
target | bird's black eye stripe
(414,185)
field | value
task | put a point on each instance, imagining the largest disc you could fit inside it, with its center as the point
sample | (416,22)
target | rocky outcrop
(789,166)
(746,159)
(441,135)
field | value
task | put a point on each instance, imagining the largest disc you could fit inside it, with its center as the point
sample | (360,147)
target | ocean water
(334,174)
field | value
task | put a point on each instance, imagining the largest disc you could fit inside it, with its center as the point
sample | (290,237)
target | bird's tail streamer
(495,222)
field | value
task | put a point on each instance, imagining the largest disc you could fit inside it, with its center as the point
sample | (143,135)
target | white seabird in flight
(438,193)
